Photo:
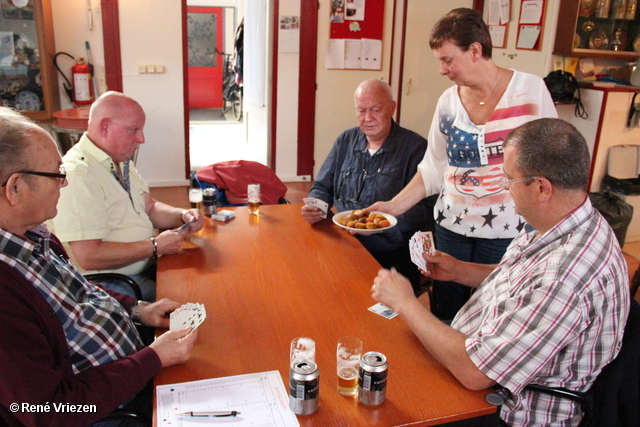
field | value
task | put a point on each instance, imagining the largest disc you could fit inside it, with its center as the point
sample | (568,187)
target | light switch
(159,68)
(142,69)
(151,69)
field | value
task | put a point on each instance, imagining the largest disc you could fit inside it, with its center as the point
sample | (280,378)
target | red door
(205,64)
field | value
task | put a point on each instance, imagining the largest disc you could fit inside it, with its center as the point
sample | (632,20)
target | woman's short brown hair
(462,27)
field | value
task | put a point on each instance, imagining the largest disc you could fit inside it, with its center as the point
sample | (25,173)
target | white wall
(71,31)
(287,105)
(151,33)
(335,110)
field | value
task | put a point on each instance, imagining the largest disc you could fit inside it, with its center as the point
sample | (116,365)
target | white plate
(391,219)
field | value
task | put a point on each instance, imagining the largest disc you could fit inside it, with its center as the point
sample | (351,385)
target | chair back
(616,392)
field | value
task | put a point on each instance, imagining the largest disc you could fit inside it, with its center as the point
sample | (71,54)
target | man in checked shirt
(553,311)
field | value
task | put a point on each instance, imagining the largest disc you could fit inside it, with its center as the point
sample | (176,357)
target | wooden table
(267,279)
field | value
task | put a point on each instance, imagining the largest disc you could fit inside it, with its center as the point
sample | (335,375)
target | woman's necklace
(495,82)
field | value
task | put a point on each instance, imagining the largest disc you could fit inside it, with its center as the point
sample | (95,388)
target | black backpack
(564,89)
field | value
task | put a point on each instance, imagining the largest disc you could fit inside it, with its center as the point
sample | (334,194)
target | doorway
(214,135)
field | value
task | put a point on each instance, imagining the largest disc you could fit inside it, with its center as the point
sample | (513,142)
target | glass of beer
(253,197)
(195,198)
(302,348)
(348,356)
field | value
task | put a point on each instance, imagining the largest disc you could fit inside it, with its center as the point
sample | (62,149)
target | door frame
(306,86)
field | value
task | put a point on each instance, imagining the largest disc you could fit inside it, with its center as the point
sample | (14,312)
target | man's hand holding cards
(317,203)
(189,315)
(421,242)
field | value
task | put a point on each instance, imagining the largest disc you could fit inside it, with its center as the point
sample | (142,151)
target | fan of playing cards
(189,315)
(420,242)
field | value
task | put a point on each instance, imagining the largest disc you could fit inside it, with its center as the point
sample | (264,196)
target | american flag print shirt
(464,161)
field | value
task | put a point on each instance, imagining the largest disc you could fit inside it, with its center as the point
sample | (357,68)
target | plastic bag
(616,211)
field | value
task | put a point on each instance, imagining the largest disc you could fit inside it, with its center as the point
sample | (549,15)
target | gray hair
(15,133)
(554,149)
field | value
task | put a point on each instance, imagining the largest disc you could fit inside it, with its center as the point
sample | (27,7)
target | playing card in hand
(189,315)
(317,203)
(421,242)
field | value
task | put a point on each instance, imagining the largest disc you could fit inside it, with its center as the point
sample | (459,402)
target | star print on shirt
(488,218)
(520,225)
(441,217)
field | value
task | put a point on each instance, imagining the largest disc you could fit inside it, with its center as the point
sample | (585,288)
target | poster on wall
(354,10)
(351,54)
(289,34)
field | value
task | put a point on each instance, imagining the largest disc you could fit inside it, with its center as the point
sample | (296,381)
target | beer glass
(253,197)
(195,197)
(302,348)
(348,356)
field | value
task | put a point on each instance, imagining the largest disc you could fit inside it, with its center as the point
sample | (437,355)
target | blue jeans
(449,297)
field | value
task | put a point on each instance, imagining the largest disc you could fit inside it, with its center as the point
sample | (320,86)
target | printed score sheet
(261,399)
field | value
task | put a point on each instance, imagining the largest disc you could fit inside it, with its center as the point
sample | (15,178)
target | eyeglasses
(505,183)
(62,176)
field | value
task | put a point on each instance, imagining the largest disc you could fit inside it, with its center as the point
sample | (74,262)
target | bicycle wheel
(236,105)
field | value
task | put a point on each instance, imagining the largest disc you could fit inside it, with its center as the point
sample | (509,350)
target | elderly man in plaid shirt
(553,311)
(64,342)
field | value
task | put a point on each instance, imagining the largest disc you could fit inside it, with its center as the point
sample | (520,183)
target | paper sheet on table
(261,399)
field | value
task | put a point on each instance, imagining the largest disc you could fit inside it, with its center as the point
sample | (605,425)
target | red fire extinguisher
(82,84)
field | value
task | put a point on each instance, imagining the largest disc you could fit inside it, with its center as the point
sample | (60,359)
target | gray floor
(206,115)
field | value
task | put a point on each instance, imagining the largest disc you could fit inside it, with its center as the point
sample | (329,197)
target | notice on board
(353,54)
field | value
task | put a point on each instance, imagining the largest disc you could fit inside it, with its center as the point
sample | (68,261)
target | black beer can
(372,378)
(304,387)
(209,201)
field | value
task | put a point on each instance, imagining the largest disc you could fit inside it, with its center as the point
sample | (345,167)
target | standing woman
(475,216)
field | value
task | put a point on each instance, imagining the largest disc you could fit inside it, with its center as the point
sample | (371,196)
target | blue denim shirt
(351,178)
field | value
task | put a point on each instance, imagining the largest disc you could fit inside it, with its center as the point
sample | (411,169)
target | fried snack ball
(361,219)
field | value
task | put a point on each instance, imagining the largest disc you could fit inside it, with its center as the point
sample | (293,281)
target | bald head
(116,123)
(374,86)
(375,108)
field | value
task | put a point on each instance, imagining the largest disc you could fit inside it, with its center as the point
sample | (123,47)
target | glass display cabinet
(27,76)
(598,28)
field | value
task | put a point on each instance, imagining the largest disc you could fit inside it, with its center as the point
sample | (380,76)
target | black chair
(116,277)
(613,398)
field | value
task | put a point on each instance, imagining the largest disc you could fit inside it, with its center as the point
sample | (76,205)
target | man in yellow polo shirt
(106,215)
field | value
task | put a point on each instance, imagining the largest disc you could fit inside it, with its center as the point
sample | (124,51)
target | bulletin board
(369,28)
(531,24)
(355,36)
(496,15)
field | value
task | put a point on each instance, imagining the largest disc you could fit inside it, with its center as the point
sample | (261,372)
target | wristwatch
(135,311)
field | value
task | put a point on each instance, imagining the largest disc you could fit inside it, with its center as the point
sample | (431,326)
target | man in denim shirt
(368,163)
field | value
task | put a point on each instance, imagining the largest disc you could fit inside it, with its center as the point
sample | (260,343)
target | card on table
(383,310)
(189,315)
(420,242)
(317,203)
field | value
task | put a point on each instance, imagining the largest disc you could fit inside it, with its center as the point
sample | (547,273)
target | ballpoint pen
(209,413)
